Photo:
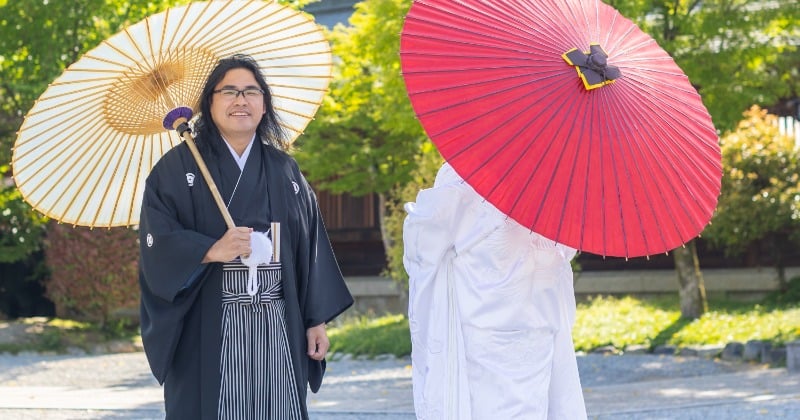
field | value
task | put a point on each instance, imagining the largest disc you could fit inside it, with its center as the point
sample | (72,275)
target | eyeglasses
(249,93)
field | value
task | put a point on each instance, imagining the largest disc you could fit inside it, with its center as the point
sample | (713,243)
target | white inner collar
(240,160)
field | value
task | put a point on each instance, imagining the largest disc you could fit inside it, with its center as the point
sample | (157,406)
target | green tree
(365,137)
(759,207)
(736,52)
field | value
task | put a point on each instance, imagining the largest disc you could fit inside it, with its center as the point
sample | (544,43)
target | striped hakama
(257,378)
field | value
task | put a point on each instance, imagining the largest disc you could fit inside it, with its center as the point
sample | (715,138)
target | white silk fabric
(491,308)
(260,254)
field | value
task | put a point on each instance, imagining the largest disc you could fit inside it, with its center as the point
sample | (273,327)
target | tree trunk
(778,243)
(387,239)
(780,267)
(692,290)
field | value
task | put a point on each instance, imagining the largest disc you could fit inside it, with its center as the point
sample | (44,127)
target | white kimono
(491,308)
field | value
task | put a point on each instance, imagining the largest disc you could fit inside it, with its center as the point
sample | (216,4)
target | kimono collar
(240,160)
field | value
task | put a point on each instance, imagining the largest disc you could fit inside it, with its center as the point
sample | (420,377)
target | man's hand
(233,243)
(318,343)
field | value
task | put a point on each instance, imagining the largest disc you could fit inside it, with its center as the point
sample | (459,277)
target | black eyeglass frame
(246,93)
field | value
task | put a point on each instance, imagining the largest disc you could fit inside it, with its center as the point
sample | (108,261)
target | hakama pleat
(257,378)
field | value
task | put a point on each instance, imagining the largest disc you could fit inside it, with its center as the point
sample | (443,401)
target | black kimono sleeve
(327,294)
(171,254)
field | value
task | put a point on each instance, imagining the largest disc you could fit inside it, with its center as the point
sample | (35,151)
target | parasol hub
(597,62)
(592,66)
(137,102)
(155,83)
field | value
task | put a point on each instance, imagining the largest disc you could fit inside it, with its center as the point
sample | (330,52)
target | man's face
(237,116)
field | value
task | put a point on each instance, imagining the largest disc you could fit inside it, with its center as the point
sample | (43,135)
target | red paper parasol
(568,118)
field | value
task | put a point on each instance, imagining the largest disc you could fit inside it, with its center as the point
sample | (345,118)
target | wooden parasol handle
(204,170)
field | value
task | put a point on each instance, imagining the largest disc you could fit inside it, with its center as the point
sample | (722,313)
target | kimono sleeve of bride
(429,230)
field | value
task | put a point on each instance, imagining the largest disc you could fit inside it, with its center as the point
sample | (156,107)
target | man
(224,341)
(491,308)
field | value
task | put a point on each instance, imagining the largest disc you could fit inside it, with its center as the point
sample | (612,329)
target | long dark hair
(268,131)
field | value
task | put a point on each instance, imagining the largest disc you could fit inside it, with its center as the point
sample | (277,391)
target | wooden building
(354,228)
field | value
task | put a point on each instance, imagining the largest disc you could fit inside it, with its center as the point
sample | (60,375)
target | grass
(619,322)
(602,321)
(372,336)
(626,322)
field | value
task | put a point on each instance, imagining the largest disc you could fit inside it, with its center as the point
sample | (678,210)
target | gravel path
(599,370)
(131,370)
(119,386)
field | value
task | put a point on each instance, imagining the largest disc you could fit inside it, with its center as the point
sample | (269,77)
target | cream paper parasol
(87,145)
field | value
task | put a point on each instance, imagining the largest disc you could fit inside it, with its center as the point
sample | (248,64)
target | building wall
(330,12)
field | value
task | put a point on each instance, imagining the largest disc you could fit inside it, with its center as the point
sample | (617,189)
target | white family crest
(190,179)
(149,240)
(296,187)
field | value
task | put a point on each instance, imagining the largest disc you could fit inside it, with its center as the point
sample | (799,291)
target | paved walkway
(119,386)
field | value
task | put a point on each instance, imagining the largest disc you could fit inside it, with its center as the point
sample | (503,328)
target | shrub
(94,272)
(21,229)
(759,206)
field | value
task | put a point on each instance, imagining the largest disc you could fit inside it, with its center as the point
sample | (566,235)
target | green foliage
(757,323)
(372,337)
(94,272)
(760,199)
(736,52)
(619,322)
(624,322)
(297,4)
(21,230)
(365,135)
